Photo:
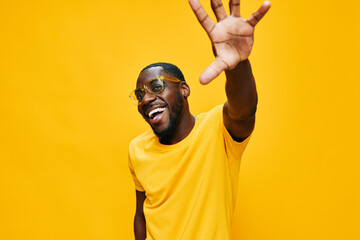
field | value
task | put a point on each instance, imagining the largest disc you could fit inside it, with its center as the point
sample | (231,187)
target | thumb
(213,71)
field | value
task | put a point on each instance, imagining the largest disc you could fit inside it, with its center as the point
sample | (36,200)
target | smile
(155,111)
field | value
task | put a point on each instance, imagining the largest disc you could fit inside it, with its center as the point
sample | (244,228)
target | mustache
(154,105)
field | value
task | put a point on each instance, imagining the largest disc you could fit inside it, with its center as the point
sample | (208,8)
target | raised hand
(232,36)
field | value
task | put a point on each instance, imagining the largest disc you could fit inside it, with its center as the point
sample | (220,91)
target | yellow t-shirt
(190,186)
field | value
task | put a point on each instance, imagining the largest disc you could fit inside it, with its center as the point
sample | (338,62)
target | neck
(184,125)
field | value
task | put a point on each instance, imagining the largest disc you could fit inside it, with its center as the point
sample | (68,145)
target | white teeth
(156,110)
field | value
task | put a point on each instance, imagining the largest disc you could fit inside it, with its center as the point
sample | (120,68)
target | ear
(185,90)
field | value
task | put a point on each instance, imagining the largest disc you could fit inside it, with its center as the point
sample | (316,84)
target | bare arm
(239,110)
(139,221)
(232,39)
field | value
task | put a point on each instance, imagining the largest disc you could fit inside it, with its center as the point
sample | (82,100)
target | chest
(163,172)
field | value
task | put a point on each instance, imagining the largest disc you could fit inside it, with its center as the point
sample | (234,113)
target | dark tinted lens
(155,85)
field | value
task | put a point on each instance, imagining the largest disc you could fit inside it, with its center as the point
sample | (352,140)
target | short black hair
(169,68)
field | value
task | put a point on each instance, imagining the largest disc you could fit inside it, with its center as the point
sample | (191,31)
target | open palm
(232,36)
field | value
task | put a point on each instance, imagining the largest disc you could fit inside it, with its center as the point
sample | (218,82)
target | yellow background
(67,68)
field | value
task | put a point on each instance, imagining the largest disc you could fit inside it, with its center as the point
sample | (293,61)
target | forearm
(140,227)
(241,91)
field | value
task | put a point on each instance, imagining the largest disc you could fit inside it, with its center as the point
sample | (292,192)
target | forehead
(149,74)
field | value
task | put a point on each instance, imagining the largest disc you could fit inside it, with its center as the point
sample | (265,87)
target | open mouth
(153,114)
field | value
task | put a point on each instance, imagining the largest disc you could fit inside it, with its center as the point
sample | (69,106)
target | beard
(166,134)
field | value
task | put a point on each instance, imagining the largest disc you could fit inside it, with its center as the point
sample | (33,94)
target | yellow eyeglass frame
(142,88)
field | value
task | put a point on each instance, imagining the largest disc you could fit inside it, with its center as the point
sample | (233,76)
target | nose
(148,97)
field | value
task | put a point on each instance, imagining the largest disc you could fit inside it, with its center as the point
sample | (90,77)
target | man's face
(160,110)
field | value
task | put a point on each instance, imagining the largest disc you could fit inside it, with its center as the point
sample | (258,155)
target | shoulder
(141,140)
(144,136)
(214,114)
(210,122)
(214,120)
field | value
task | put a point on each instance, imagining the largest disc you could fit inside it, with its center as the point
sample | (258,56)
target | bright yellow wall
(67,68)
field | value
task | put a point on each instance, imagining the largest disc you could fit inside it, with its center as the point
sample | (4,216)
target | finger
(259,14)
(213,71)
(218,9)
(234,6)
(202,16)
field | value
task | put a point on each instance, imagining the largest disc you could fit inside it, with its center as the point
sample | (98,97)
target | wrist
(239,67)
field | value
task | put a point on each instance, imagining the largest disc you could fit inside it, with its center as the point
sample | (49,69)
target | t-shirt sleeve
(136,181)
(233,148)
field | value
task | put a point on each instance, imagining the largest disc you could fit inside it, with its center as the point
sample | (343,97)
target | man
(186,168)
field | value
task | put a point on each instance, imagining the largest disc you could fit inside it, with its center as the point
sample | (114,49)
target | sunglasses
(153,86)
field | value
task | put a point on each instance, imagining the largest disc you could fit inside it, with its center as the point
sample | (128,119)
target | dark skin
(232,39)
(139,220)
(166,98)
